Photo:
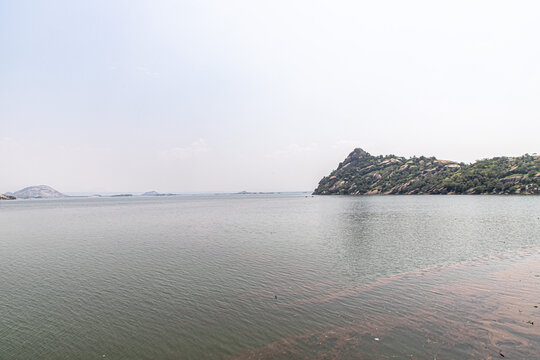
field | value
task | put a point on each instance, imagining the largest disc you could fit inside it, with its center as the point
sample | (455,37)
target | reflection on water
(483,310)
(197,277)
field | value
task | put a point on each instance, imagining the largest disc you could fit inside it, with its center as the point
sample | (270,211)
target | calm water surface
(197,277)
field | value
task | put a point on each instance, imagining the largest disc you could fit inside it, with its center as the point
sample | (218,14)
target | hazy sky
(188,96)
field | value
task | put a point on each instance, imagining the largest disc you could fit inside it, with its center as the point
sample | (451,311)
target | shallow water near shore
(197,277)
(483,309)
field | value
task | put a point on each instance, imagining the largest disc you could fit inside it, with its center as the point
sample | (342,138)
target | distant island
(155,193)
(47,192)
(244,192)
(365,174)
(35,192)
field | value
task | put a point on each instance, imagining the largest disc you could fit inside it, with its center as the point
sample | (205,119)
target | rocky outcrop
(361,173)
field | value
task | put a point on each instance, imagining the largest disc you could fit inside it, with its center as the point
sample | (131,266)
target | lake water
(270,276)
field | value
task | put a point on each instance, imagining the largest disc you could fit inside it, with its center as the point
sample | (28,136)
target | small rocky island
(155,193)
(362,173)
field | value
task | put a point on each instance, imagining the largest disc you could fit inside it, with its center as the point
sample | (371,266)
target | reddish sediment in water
(486,309)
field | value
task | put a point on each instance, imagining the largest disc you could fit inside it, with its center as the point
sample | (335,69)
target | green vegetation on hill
(362,173)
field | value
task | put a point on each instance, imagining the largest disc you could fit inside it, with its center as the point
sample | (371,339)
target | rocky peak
(356,155)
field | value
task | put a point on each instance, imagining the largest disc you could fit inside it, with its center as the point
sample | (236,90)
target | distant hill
(37,192)
(362,173)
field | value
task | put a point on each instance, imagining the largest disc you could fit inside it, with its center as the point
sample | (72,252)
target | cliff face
(362,173)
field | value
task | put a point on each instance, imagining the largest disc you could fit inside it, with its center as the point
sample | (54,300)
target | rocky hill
(37,192)
(362,173)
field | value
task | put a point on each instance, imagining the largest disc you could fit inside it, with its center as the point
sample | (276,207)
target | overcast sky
(197,96)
